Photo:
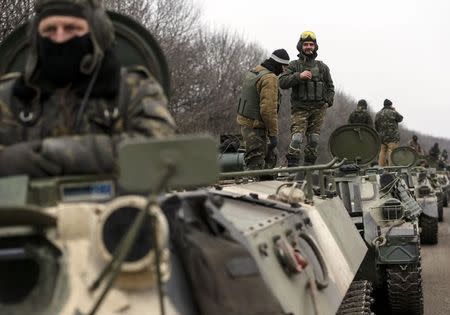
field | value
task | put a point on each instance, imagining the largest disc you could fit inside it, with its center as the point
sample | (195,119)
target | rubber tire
(404,289)
(429,233)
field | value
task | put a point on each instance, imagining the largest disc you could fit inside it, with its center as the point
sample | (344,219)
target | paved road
(436,271)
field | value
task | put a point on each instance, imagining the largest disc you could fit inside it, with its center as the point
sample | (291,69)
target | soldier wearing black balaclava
(74,102)
(258,111)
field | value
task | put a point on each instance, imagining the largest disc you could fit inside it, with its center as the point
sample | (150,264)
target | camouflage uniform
(360,116)
(144,112)
(386,123)
(122,103)
(255,132)
(434,151)
(309,101)
(416,146)
(257,156)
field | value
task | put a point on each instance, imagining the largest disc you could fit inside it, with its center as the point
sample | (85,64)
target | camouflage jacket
(434,152)
(140,109)
(360,117)
(267,87)
(290,78)
(416,146)
(386,123)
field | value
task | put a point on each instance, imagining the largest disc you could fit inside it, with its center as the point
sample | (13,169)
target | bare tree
(12,14)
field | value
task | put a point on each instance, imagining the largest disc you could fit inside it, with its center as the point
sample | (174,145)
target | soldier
(414,143)
(434,152)
(258,111)
(73,85)
(386,123)
(361,115)
(312,93)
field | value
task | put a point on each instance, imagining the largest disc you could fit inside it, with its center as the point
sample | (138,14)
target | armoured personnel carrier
(386,215)
(99,244)
(439,191)
(300,237)
(419,184)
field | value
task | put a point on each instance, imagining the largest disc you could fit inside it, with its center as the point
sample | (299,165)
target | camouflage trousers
(257,155)
(306,122)
(384,158)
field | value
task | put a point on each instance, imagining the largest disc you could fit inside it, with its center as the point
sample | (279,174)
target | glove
(273,142)
(25,159)
(90,154)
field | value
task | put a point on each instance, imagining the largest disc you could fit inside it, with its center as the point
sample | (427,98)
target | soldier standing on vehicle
(386,123)
(258,111)
(361,115)
(434,152)
(73,84)
(414,143)
(312,93)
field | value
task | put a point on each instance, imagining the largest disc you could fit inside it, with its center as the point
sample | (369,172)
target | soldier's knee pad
(313,139)
(296,142)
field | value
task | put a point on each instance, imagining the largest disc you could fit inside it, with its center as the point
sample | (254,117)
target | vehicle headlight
(139,267)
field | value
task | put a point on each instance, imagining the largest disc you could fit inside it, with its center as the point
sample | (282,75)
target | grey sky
(397,49)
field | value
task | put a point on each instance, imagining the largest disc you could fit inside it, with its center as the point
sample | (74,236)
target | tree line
(206,68)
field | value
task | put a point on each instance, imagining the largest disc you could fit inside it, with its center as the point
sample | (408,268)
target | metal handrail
(330,165)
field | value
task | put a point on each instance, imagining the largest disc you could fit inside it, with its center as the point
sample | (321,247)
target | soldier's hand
(89,154)
(26,159)
(306,75)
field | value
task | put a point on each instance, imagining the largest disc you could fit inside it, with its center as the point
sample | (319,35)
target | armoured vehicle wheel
(404,289)
(429,225)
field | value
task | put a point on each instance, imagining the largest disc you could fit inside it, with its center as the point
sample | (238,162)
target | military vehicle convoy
(386,215)
(420,186)
(109,245)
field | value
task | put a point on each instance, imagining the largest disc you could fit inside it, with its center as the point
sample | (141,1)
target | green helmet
(307,36)
(101,31)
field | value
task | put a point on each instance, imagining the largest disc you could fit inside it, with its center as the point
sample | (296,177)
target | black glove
(89,154)
(25,159)
(273,142)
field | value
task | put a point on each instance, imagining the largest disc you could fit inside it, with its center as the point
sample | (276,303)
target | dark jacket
(386,123)
(321,85)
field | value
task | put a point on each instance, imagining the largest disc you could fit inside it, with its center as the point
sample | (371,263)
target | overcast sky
(397,49)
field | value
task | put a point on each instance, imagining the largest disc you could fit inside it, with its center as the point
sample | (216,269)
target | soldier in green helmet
(386,123)
(361,115)
(257,111)
(312,93)
(74,103)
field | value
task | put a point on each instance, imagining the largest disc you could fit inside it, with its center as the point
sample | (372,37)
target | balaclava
(88,49)
(276,61)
